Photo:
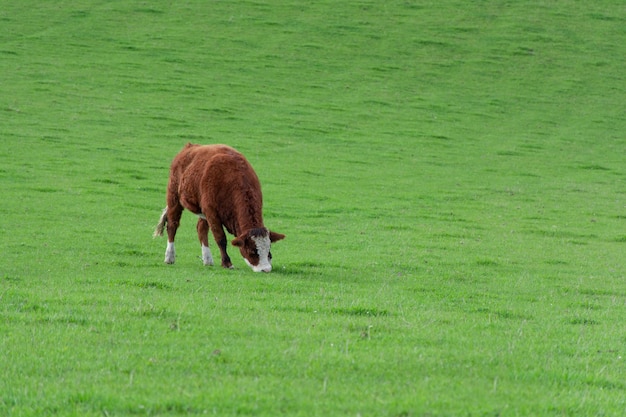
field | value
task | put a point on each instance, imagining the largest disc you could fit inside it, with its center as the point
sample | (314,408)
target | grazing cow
(218,184)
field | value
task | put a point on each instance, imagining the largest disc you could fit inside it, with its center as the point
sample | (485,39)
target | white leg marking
(170,253)
(207,258)
(263,249)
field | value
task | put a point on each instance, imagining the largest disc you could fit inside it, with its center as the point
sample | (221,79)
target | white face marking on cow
(263,249)
(170,253)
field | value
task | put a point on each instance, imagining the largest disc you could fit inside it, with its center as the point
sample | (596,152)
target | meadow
(450,176)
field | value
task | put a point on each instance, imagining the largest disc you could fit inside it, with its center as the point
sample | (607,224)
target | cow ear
(276,236)
(237,242)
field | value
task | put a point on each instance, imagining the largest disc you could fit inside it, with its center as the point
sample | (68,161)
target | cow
(218,184)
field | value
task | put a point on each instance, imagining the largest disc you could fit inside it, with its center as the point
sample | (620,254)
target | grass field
(451,178)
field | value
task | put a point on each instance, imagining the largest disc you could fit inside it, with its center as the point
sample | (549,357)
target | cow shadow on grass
(305,269)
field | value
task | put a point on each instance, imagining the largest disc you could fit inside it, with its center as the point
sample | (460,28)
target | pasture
(450,176)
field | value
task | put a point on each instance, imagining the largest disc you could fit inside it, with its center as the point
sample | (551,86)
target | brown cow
(218,184)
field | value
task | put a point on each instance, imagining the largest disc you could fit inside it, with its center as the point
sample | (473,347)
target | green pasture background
(450,175)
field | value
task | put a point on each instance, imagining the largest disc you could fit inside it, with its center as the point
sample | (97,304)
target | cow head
(254,246)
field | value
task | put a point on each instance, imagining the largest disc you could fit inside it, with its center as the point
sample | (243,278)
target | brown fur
(217,182)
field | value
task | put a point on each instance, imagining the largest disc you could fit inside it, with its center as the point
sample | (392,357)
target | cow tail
(161,225)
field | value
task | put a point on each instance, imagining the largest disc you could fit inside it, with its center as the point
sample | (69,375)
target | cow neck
(249,214)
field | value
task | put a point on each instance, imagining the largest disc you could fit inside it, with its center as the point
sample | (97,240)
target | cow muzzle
(261,267)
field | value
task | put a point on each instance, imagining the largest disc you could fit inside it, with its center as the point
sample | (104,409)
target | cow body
(218,184)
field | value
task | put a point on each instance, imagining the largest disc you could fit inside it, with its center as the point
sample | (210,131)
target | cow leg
(220,238)
(203,235)
(174,211)
(218,234)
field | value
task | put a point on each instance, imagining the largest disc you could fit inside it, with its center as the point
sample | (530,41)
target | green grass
(450,177)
